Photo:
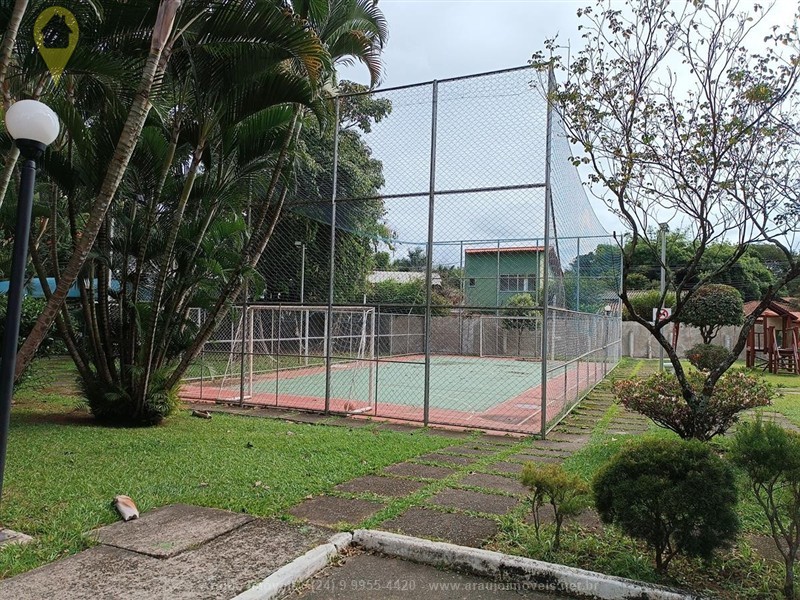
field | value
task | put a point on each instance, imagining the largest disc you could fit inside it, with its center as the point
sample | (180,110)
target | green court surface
(470,384)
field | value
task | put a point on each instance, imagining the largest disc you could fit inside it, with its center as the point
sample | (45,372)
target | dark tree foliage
(677,496)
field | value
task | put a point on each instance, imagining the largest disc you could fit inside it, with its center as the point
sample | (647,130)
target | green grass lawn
(63,471)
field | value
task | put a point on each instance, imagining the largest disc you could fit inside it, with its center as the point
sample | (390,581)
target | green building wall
(481,270)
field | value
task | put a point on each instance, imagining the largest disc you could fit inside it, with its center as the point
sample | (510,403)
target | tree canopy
(679,114)
(188,127)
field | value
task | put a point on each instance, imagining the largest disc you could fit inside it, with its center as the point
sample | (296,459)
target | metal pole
(302,273)
(19,257)
(328,350)
(497,282)
(245,294)
(304,315)
(547,218)
(663,231)
(578,278)
(429,266)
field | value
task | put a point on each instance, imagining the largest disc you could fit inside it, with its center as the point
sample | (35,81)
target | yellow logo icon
(56,35)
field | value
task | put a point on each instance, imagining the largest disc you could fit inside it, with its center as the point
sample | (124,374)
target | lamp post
(33,126)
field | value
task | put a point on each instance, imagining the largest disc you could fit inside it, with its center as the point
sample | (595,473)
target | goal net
(286,339)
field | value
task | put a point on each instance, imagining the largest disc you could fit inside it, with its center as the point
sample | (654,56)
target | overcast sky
(437,39)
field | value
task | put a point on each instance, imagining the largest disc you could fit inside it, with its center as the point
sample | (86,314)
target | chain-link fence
(438,261)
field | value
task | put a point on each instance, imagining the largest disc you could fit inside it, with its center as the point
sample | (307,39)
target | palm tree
(223,109)
(235,86)
(351,30)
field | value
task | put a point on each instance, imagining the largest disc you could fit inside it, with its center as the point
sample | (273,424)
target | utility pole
(663,231)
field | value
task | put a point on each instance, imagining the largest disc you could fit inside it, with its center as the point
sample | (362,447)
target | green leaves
(675,495)
(661,398)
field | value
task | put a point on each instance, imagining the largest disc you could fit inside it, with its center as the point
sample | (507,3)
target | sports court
(438,289)
(468,392)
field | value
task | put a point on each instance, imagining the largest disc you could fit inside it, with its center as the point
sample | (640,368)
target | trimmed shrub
(712,306)
(676,496)
(770,456)
(551,484)
(707,357)
(660,398)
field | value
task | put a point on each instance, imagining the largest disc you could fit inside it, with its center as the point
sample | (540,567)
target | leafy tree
(711,307)
(644,302)
(382,261)
(307,217)
(565,492)
(770,456)
(716,152)
(675,495)
(204,189)
(638,281)
(416,260)
(405,298)
(452,280)
(520,316)
(592,279)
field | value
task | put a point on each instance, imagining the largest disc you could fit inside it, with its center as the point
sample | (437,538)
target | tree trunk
(788,582)
(158,295)
(7,49)
(251,255)
(116,169)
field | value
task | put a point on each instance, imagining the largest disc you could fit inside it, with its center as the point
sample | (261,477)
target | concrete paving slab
(536,458)
(217,570)
(561,444)
(170,530)
(493,504)
(496,440)
(416,470)
(450,459)
(505,467)
(92,574)
(460,529)
(330,511)
(370,576)
(391,487)
(472,450)
(496,482)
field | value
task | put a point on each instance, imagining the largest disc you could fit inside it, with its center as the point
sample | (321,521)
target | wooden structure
(772,343)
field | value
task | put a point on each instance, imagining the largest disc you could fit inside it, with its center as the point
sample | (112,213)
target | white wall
(638,343)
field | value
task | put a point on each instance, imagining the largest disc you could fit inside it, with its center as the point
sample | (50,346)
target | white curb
(497,566)
(288,577)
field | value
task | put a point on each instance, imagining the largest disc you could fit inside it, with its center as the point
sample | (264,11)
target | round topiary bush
(707,357)
(675,495)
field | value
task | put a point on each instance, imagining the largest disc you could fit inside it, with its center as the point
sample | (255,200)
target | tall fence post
(547,217)
(578,277)
(328,344)
(429,265)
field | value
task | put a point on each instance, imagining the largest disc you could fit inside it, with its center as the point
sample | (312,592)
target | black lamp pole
(30,151)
